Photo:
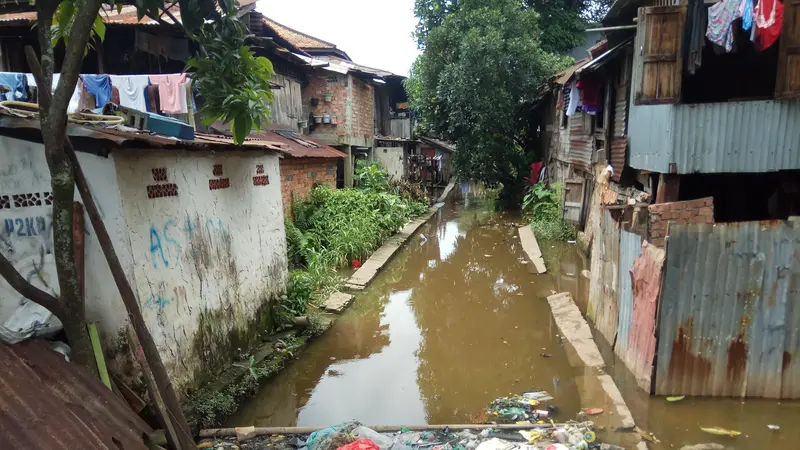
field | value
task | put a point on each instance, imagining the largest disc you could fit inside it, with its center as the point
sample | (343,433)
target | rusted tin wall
(638,353)
(729,314)
(603,308)
(580,141)
(630,245)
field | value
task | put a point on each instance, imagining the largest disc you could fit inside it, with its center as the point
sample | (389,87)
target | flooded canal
(457,320)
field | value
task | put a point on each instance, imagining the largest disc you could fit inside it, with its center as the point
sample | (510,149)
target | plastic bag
(362,432)
(361,444)
(320,440)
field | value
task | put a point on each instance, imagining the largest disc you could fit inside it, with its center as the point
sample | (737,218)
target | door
(573,200)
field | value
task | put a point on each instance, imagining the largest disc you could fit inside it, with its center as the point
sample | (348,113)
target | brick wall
(319,83)
(363,109)
(681,213)
(298,176)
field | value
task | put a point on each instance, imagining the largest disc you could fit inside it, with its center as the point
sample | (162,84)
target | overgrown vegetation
(334,228)
(542,206)
(209,406)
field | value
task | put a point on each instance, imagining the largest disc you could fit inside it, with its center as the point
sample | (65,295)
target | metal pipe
(618,27)
(265,431)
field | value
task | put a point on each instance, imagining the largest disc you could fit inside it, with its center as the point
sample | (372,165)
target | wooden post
(668,188)
(152,357)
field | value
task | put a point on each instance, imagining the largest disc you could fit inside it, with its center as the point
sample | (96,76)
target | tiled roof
(298,39)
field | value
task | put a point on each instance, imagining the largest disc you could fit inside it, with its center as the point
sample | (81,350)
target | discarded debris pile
(354,436)
(524,408)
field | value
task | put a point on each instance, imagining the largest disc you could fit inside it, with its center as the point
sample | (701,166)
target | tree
(481,67)
(242,99)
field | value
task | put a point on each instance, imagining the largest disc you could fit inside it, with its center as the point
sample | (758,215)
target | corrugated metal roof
(125,16)
(561,78)
(607,56)
(729,315)
(444,145)
(299,146)
(126,138)
(47,403)
(732,137)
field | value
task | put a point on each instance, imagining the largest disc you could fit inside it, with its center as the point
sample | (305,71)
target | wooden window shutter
(788,83)
(661,31)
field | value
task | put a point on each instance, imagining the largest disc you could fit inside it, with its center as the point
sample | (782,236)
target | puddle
(452,323)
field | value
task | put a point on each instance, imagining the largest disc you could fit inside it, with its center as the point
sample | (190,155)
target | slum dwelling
(676,145)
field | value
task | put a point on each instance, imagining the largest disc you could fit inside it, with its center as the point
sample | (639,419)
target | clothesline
(162,93)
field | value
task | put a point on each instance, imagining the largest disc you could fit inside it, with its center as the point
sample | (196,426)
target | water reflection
(454,322)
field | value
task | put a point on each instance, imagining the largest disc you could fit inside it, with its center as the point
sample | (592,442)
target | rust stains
(787,360)
(737,359)
(683,363)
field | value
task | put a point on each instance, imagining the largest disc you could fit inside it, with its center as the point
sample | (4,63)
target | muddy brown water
(452,323)
(457,320)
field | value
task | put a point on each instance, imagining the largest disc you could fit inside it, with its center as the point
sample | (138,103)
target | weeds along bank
(332,229)
(542,206)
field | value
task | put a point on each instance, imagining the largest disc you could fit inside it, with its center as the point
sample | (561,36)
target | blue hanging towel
(99,86)
(15,82)
(747,14)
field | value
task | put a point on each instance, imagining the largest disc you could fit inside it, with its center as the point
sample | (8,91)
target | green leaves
(234,83)
(481,67)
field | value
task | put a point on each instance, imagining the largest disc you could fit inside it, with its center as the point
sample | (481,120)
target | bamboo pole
(266,431)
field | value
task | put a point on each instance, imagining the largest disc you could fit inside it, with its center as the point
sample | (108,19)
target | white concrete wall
(205,260)
(392,159)
(27,235)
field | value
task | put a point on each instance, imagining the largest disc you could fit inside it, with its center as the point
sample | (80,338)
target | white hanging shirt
(74,100)
(131,90)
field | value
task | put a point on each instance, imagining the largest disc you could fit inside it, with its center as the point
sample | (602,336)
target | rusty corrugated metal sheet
(300,146)
(47,403)
(630,245)
(731,137)
(729,311)
(564,76)
(580,143)
(637,351)
(125,16)
(619,146)
(603,308)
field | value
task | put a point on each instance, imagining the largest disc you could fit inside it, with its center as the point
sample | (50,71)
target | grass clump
(334,227)
(542,206)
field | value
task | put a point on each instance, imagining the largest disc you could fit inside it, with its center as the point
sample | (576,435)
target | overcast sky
(374,33)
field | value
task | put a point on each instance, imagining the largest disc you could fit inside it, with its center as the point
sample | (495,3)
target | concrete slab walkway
(597,388)
(364,275)
(531,247)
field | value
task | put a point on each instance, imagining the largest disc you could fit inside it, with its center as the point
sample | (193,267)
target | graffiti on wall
(27,241)
(165,247)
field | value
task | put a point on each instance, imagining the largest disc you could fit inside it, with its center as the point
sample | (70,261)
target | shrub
(542,206)
(333,227)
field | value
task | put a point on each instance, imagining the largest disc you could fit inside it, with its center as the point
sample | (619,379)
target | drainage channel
(454,321)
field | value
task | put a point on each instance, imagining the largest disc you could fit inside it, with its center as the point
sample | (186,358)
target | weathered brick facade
(319,83)
(681,213)
(363,114)
(360,97)
(299,175)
